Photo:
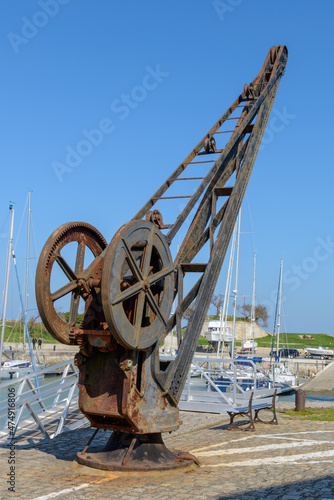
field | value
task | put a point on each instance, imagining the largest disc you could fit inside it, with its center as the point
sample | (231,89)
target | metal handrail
(36,396)
(43,371)
(49,411)
(213,398)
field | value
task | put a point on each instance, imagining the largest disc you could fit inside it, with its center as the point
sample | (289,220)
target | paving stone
(291,461)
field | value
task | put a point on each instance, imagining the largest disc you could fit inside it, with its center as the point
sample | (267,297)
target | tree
(66,317)
(31,322)
(217,301)
(245,310)
(261,313)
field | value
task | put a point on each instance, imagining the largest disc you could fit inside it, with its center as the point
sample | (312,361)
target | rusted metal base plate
(131,452)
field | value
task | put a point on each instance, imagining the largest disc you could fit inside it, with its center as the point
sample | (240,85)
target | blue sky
(68,65)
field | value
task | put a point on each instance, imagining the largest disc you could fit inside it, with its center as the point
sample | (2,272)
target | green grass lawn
(324,415)
(293,340)
(15,335)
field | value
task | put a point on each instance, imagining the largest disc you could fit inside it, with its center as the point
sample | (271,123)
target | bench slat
(248,411)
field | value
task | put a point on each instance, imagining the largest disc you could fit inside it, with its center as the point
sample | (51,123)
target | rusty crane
(129,286)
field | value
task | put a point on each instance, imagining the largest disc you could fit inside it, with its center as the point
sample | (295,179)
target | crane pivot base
(135,452)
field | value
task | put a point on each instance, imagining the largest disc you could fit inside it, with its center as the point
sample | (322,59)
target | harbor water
(50,381)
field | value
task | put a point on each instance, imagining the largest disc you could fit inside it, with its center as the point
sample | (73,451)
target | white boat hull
(289,379)
(215,333)
(16,369)
(319,352)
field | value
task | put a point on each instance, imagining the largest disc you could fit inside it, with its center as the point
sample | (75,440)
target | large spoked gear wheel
(54,255)
(137,284)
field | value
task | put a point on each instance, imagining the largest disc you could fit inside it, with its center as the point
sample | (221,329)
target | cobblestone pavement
(294,460)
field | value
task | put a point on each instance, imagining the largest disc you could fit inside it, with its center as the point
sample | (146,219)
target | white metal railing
(217,385)
(45,407)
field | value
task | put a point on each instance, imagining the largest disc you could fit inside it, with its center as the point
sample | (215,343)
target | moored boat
(18,368)
(283,375)
(248,346)
(218,331)
(319,351)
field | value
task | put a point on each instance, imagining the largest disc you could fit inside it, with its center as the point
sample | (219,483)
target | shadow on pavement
(316,489)
(67,445)
(239,423)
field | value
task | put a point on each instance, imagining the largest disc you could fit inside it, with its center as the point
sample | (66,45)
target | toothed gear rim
(80,232)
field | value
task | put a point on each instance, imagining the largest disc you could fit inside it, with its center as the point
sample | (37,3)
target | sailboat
(249,346)
(247,375)
(15,368)
(218,333)
(280,373)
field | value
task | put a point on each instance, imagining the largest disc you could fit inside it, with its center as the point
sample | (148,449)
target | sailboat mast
(279,304)
(222,332)
(235,291)
(27,270)
(9,252)
(253,306)
(25,322)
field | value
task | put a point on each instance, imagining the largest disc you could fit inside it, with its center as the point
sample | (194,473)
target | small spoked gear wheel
(137,284)
(52,256)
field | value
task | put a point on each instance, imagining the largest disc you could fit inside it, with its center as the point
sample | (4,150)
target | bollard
(300,400)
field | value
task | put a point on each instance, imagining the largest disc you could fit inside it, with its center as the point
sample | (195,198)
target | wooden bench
(247,411)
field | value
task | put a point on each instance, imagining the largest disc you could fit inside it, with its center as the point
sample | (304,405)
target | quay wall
(50,354)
